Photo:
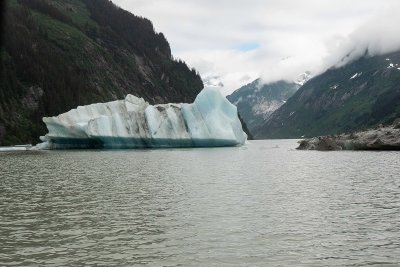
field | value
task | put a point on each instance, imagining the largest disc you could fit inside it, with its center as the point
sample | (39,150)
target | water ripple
(260,205)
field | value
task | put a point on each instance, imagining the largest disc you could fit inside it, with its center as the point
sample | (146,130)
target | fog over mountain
(240,41)
(378,36)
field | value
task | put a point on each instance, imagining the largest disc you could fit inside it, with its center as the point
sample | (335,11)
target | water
(264,204)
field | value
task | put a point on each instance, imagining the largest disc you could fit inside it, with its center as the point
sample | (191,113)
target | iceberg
(211,120)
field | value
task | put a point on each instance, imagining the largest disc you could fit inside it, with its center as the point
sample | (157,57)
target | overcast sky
(240,41)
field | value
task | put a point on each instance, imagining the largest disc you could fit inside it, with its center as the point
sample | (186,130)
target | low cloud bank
(379,35)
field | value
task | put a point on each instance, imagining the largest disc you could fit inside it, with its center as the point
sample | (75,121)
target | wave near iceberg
(211,120)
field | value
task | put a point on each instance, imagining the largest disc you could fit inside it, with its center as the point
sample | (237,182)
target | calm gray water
(264,204)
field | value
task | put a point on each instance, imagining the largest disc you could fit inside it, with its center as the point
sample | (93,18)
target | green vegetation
(340,101)
(56,55)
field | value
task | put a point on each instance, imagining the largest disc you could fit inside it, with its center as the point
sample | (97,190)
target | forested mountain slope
(362,94)
(58,54)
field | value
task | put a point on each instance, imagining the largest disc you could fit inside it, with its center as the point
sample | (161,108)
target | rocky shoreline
(379,138)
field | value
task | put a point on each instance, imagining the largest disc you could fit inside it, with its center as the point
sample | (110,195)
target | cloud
(239,41)
(377,36)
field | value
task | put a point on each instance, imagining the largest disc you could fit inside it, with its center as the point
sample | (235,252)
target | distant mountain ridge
(364,93)
(257,101)
(58,54)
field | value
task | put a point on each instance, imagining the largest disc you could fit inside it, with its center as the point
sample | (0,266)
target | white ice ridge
(132,123)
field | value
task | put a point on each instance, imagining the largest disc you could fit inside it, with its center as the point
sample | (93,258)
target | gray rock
(379,138)
(396,123)
(32,97)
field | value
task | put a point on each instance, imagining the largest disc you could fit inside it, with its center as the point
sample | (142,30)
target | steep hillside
(58,54)
(256,101)
(361,94)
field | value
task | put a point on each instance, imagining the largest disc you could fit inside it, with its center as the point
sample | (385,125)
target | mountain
(362,94)
(256,101)
(58,54)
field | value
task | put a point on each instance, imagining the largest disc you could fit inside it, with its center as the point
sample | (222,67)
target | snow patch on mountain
(391,65)
(355,75)
(265,108)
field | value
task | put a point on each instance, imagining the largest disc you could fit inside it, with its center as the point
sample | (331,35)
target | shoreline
(378,138)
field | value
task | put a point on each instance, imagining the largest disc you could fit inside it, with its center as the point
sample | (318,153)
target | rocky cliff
(256,101)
